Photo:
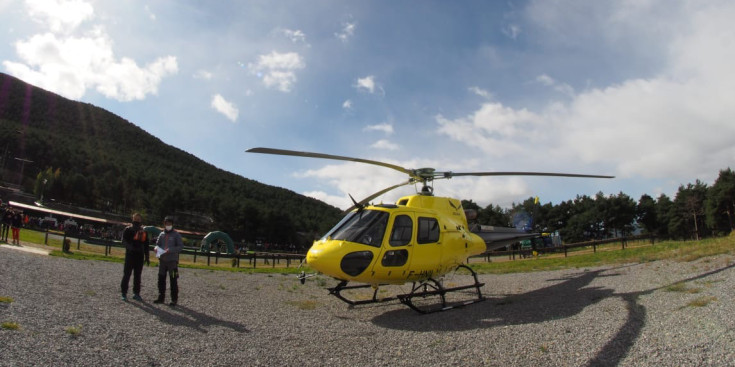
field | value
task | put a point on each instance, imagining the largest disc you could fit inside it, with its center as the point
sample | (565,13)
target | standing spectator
(15,224)
(7,219)
(168,247)
(135,240)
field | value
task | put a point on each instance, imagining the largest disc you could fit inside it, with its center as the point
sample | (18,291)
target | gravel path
(626,316)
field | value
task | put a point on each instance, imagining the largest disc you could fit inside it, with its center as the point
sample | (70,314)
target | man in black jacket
(7,219)
(135,240)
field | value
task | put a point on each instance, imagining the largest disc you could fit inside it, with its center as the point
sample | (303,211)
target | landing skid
(426,289)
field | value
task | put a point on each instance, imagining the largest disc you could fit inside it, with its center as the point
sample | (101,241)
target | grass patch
(702,301)
(682,251)
(303,305)
(82,256)
(74,330)
(9,325)
(28,235)
(6,300)
(682,288)
(85,256)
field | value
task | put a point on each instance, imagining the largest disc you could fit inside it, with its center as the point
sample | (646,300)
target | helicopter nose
(335,260)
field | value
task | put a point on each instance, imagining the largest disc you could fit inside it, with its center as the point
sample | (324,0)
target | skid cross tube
(343,286)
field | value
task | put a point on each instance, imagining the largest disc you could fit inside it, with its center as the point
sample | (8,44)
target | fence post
(565,250)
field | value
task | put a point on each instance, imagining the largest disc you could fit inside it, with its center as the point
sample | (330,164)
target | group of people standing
(168,245)
(12,221)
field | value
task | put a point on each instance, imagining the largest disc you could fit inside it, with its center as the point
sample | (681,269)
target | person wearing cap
(168,247)
(135,239)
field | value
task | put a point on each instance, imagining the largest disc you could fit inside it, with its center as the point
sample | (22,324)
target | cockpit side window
(402,231)
(428,230)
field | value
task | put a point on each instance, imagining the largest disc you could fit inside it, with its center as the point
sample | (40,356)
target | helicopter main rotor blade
(328,156)
(373,196)
(453,174)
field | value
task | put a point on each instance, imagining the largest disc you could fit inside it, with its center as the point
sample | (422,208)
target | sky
(639,89)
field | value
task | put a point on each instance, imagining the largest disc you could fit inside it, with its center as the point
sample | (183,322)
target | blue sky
(641,90)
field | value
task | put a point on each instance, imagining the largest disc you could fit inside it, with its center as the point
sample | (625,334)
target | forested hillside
(92,158)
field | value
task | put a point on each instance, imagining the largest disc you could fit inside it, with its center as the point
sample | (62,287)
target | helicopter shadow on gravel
(184,316)
(564,299)
(558,301)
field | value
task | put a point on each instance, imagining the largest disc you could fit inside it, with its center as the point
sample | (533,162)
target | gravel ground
(69,313)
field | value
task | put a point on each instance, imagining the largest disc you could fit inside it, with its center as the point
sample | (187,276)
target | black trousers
(134,266)
(4,233)
(172,269)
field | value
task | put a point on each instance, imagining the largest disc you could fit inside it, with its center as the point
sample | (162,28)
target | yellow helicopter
(417,240)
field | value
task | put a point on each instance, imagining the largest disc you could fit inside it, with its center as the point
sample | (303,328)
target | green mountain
(92,158)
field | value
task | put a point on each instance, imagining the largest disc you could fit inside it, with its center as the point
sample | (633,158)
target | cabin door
(426,261)
(395,253)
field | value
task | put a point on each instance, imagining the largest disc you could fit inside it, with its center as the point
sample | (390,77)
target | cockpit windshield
(364,226)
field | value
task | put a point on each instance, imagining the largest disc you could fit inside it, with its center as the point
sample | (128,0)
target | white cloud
(559,87)
(385,127)
(278,69)
(68,63)
(296,36)
(368,84)
(363,180)
(221,105)
(480,92)
(348,30)
(334,200)
(60,15)
(512,31)
(384,144)
(677,124)
(495,129)
(347,105)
